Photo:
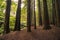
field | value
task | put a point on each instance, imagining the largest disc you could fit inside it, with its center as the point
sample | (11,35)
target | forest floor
(38,34)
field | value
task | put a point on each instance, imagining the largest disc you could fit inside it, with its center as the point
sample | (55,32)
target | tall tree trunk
(32,12)
(34,16)
(53,12)
(29,15)
(57,5)
(7,15)
(39,13)
(18,17)
(46,17)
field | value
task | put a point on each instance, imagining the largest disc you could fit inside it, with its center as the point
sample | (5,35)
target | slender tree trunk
(32,12)
(46,17)
(29,15)
(18,17)
(39,13)
(34,16)
(7,15)
(57,5)
(53,12)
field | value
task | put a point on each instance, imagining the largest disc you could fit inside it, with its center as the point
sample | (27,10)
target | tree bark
(29,15)
(34,16)
(53,13)
(7,15)
(39,13)
(57,5)
(46,17)
(18,17)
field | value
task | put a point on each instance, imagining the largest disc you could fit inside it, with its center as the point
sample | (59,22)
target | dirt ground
(38,34)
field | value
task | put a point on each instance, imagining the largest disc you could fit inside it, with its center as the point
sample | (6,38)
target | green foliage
(1,29)
(12,22)
(2,7)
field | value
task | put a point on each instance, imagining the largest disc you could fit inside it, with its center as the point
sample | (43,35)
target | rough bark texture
(32,12)
(57,5)
(53,13)
(39,13)
(18,17)
(29,15)
(7,15)
(46,17)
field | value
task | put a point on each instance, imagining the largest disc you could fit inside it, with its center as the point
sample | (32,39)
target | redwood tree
(7,15)
(53,12)
(46,17)
(34,16)
(57,5)
(39,13)
(18,17)
(29,15)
